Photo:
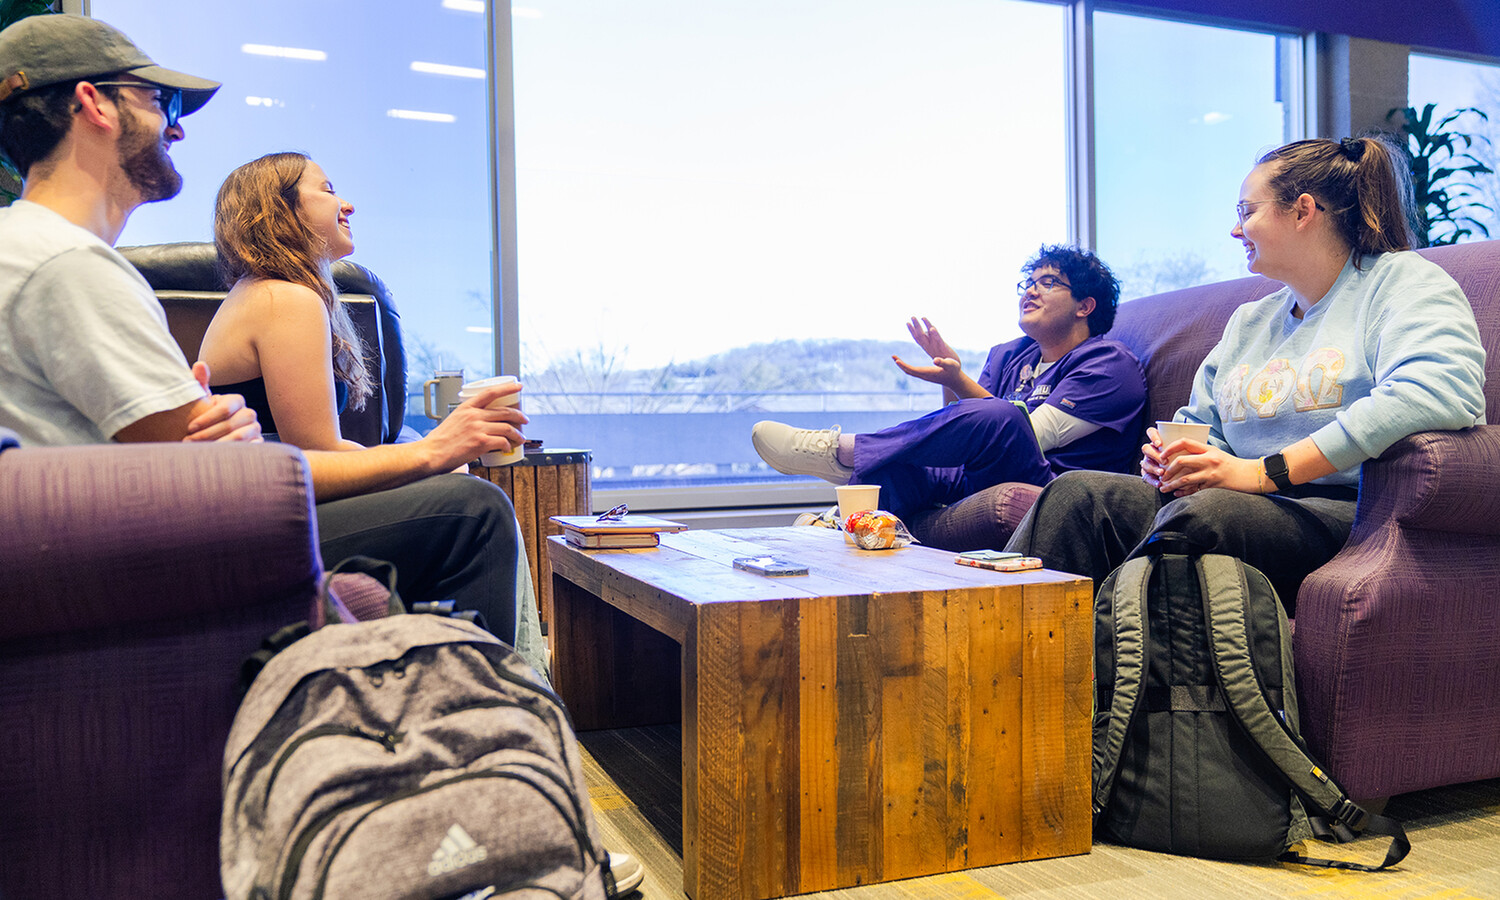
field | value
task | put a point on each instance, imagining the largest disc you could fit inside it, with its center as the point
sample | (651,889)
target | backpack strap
(1225,596)
(1131,584)
(332,610)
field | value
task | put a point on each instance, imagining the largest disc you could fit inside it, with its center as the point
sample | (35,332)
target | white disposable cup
(1171,431)
(855,498)
(473,388)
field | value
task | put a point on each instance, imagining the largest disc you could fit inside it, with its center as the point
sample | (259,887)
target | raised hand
(931,342)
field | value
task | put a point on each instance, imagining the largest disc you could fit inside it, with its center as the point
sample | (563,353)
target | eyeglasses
(1046,283)
(614,514)
(1245,208)
(169,99)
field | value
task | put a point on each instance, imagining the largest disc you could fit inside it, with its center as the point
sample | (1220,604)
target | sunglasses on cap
(168,98)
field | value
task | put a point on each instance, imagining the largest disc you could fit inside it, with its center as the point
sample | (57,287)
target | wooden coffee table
(889,715)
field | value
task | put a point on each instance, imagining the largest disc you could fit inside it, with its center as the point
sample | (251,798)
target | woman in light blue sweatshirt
(1366,343)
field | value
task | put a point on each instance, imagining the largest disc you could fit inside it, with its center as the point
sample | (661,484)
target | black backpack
(1196,743)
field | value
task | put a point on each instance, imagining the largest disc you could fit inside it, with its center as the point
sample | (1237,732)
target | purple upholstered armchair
(134,580)
(1398,637)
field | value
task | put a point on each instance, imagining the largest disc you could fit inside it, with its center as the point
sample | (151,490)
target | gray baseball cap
(52,49)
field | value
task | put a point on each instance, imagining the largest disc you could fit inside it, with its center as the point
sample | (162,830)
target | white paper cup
(855,498)
(1171,431)
(496,457)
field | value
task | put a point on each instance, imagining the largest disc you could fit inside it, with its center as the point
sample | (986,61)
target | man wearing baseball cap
(87,119)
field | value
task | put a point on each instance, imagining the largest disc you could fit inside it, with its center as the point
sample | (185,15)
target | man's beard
(144,160)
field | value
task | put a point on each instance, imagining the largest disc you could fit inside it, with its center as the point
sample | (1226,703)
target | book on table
(622,532)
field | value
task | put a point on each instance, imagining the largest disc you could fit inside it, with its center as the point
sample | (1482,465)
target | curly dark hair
(1087,275)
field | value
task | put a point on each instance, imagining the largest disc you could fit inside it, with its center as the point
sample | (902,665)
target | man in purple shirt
(1063,397)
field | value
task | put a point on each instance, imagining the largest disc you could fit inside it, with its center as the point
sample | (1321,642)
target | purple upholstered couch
(134,580)
(1398,637)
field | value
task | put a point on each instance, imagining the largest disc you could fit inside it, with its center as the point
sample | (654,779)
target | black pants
(450,537)
(1088,523)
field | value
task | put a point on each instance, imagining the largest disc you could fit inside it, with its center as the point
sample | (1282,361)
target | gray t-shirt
(84,346)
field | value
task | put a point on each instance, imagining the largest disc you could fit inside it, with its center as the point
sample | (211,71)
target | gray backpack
(408,757)
(1196,742)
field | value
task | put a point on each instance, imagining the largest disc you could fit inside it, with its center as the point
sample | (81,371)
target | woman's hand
(473,428)
(1186,467)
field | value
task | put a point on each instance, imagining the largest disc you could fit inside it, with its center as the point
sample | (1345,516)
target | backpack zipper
(387,739)
(580,833)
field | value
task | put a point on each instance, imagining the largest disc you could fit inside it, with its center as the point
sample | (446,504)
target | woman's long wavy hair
(1363,182)
(259,234)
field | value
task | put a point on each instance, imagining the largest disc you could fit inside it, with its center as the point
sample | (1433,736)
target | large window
(389,99)
(1451,86)
(1181,113)
(729,210)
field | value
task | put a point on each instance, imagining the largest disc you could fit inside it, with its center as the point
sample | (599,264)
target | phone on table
(773,566)
(998,560)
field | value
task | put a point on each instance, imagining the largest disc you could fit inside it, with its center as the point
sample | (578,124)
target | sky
(697,176)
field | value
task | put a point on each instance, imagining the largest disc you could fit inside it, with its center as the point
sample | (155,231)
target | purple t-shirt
(1099,381)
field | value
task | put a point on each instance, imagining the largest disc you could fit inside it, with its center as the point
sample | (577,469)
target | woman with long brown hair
(281,336)
(1365,343)
(282,339)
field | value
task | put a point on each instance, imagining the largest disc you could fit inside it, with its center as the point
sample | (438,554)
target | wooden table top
(662,585)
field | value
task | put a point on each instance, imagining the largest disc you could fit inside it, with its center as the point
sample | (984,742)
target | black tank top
(254,392)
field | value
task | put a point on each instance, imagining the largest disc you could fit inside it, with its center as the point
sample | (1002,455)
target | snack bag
(876,529)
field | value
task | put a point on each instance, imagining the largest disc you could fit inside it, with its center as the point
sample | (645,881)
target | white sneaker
(628,872)
(801,451)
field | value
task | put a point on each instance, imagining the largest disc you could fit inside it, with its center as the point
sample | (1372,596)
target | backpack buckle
(1349,814)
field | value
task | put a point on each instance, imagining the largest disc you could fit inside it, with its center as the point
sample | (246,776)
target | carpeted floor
(634,778)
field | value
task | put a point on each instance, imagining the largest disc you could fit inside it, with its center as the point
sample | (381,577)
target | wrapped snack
(876,529)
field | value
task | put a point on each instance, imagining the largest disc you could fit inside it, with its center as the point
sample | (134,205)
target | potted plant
(1443,167)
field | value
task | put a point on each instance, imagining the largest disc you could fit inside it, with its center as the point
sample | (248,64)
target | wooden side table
(545,483)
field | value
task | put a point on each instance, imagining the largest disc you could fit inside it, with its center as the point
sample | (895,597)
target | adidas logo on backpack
(456,851)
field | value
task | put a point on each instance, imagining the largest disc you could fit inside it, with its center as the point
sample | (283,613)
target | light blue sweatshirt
(1391,350)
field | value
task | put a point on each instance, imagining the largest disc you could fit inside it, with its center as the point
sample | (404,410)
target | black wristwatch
(1276,471)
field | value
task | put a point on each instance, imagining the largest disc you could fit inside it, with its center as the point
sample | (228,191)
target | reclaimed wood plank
(548,503)
(1078,709)
(933,810)
(818,768)
(717,836)
(857,690)
(765,664)
(960,765)
(1043,735)
(523,498)
(896,627)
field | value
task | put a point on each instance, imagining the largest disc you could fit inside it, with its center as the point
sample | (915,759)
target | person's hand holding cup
(1154,458)
(1171,432)
(485,424)
(510,399)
